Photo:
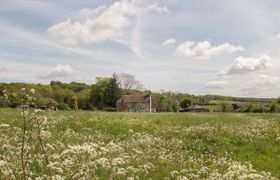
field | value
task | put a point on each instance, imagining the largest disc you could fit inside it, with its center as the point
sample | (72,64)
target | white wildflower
(118,161)
(103,162)
(121,171)
(2,163)
(174,173)
(32,91)
(25,113)
(4,125)
(55,167)
(23,89)
(38,110)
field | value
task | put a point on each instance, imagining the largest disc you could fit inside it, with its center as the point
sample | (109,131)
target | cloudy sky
(195,46)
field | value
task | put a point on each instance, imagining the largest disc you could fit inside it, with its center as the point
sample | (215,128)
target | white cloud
(101,24)
(216,84)
(244,65)
(169,42)
(204,50)
(60,70)
(87,12)
(159,9)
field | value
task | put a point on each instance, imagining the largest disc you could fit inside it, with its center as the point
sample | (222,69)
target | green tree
(112,92)
(224,106)
(97,94)
(185,103)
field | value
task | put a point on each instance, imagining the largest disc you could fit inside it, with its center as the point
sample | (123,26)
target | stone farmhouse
(134,103)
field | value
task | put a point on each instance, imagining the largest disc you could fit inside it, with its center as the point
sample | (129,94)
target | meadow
(99,145)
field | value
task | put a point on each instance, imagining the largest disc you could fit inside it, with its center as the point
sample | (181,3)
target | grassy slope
(241,137)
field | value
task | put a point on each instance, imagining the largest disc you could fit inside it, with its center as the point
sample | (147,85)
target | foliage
(275,106)
(74,103)
(97,94)
(224,106)
(162,103)
(257,108)
(112,92)
(185,103)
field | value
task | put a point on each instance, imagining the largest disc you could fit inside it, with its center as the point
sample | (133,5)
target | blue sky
(193,46)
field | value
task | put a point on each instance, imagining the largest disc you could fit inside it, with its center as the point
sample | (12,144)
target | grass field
(96,145)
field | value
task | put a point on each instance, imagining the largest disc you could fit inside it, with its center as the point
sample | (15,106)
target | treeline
(66,96)
(107,90)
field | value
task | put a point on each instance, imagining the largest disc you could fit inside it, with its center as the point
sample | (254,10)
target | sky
(191,46)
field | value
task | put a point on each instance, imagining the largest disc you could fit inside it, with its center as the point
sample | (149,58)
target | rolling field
(96,145)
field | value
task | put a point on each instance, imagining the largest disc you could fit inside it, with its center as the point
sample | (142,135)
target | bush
(63,106)
(257,108)
(185,103)
(275,107)
(4,102)
(224,106)
(110,109)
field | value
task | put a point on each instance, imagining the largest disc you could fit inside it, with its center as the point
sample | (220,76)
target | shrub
(224,106)
(4,102)
(74,103)
(63,106)
(185,103)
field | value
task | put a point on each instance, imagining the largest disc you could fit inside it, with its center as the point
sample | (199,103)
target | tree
(128,82)
(97,94)
(185,103)
(275,106)
(74,103)
(223,106)
(175,106)
(162,103)
(112,92)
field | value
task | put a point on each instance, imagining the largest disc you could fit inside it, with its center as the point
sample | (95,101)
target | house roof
(196,107)
(134,99)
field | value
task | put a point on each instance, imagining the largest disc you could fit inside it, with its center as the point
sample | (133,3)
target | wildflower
(23,89)
(103,162)
(24,113)
(54,166)
(4,125)
(38,110)
(32,91)
(4,91)
(2,163)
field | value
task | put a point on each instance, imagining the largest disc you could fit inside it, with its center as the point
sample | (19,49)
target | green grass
(169,141)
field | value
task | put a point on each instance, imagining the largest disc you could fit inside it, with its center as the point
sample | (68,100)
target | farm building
(195,108)
(134,103)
